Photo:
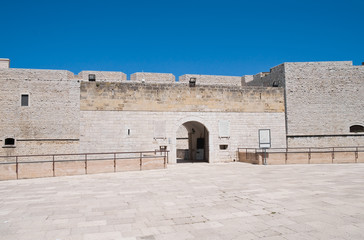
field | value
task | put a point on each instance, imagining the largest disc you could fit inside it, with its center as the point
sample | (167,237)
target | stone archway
(192,142)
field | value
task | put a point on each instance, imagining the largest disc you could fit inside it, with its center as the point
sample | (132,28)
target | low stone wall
(249,158)
(40,166)
(152,77)
(275,158)
(213,80)
(102,76)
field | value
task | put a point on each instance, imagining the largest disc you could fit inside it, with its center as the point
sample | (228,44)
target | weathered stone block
(297,158)
(7,171)
(101,166)
(123,165)
(360,158)
(276,158)
(35,170)
(344,157)
(321,157)
(69,168)
(152,163)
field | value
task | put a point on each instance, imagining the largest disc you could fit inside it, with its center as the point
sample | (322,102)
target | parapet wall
(152,77)
(4,63)
(35,74)
(246,79)
(302,155)
(267,79)
(212,80)
(102,76)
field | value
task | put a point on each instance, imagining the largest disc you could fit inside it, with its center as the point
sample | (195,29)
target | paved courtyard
(189,201)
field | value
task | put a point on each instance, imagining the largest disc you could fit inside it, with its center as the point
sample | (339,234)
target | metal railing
(307,151)
(85,158)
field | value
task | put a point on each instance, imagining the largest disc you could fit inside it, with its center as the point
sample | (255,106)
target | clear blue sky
(205,37)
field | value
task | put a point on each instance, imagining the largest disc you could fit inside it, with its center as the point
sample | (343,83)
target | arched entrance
(192,143)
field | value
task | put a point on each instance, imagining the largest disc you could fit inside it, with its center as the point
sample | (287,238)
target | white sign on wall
(264,138)
(160,129)
(224,128)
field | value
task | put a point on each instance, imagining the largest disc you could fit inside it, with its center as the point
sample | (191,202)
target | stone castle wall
(212,80)
(323,99)
(104,131)
(267,79)
(310,105)
(179,98)
(152,77)
(50,122)
(4,63)
(125,116)
(102,76)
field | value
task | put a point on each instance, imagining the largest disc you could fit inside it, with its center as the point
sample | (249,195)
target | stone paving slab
(189,201)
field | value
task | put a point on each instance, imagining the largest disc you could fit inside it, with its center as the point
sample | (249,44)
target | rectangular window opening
(9,143)
(192,82)
(24,100)
(92,77)
(223,146)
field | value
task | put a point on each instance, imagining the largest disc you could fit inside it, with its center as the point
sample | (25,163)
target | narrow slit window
(25,100)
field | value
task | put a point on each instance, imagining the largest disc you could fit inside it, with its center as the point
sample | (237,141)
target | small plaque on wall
(224,129)
(264,138)
(159,129)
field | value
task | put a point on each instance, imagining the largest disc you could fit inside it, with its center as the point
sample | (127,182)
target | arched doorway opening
(192,143)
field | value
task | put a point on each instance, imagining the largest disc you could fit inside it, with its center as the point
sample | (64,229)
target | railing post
(114,162)
(356,155)
(141,163)
(246,154)
(85,163)
(53,166)
(309,155)
(16,167)
(256,157)
(237,155)
(333,155)
(286,156)
(165,155)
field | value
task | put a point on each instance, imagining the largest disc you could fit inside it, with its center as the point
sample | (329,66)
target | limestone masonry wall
(102,76)
(4,63)
(246,79)
(35,74)
(153,77)
(212,80)
(135,130)
(52,114)
(311,104)
(324,98)
(268,79)
(179,97)
(326,141)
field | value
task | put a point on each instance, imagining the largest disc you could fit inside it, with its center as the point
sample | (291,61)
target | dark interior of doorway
(192,143)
